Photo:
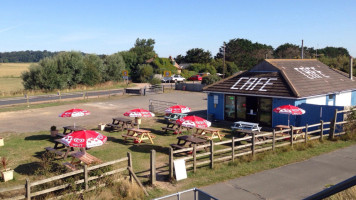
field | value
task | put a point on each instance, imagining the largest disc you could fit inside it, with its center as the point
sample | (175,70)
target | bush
(155,81)
(207,80)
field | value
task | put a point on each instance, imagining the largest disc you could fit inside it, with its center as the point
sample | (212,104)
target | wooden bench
(70,166)
(57,152)
(176,146)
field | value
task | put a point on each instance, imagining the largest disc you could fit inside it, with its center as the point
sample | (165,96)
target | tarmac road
(101,112)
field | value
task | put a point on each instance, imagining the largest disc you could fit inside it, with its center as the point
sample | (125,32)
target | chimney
(351,72)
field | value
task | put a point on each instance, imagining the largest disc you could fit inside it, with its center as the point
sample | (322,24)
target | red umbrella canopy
(84,138)
(193,121)
(139,112)
(75,112)
(178,109)
(289,110)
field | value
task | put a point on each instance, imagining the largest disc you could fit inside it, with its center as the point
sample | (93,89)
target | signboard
(253,83)
(125,73)
(180,170)
(311,72)
(167,74)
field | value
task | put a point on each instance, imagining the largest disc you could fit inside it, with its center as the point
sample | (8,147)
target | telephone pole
(224,61)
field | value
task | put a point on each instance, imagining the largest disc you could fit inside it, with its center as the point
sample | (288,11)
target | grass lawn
(24,150)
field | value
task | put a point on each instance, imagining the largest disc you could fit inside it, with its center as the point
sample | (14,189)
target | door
(252,109)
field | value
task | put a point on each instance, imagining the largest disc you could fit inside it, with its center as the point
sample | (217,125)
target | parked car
(195,78)
(174,78)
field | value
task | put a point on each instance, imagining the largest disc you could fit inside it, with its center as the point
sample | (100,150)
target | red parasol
(178,109)
(193,121)
(289,110)
(84,139)
(75,112)
(138,113)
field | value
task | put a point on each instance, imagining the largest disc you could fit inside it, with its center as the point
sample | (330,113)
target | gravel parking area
(41,119)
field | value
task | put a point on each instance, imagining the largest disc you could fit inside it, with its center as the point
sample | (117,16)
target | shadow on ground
(39,137)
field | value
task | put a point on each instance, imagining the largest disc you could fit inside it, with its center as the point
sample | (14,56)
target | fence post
(321,130)
(194,158)
(306,134)
(233,149)
(28,189)
(153,167)
(291,136)
(86,177)
(170,163)
(333,126)
(273,140)
(129,164)
(211,154)
(253,143)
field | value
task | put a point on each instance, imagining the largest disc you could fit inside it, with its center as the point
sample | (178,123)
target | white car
(174,78)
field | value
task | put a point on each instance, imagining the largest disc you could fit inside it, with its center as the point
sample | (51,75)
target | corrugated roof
(288,78)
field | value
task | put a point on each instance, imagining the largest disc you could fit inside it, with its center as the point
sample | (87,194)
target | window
(230,107)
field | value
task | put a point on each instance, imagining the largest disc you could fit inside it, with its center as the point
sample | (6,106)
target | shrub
(210,79)
(155,81)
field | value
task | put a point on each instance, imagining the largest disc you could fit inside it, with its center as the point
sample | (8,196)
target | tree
(143,49)
(113,67)
(334,52)
(146,73)
(287,50)
(179,59)
(244,53)
(93,70)
(197,55)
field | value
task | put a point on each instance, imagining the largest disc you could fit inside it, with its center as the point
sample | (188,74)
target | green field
(10,73)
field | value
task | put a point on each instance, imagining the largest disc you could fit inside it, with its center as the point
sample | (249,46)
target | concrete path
(294,181)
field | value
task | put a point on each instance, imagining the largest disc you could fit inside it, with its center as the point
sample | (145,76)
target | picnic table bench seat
(176,146)
(52,150)
(70,166)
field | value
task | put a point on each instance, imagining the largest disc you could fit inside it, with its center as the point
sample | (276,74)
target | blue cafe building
(307,83)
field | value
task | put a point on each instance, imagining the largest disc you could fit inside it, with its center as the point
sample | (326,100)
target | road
(53,97)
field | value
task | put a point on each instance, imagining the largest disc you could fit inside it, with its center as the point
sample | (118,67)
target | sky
(110,26)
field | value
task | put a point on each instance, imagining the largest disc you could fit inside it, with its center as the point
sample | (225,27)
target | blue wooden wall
(282,119)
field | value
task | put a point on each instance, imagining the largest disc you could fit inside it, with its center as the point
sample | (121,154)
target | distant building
(307,83)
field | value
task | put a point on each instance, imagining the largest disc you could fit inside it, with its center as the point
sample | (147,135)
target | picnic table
(138,135)
(121,123)
(174,116)
(296,130)
(242,125)
(187,140)
(71,129)
(58,145)
(79,157)
(208,133)
(176,128)
(243,133)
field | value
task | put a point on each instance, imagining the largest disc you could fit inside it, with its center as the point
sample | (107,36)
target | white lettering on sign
(251,83)
(311,72)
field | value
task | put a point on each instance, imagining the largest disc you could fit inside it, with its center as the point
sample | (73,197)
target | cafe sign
(248,83)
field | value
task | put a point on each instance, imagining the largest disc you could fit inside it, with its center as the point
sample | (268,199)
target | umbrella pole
(288,119)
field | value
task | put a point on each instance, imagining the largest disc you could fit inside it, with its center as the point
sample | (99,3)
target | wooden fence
(255,143)
(85,181)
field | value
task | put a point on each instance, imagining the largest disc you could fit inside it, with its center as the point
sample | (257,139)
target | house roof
(296,78)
